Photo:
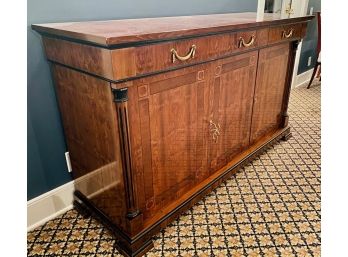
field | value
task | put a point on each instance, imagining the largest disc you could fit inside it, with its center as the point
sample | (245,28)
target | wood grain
(92,139)
(156,57)
(131,62)
(108,33)
(87,58)
(269,90)
(173,149)
(276,32)
(231,102)
(152,136)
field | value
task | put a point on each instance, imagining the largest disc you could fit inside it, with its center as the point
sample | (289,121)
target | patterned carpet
(269,208)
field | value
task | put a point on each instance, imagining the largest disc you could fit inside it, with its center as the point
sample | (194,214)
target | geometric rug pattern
(271,207)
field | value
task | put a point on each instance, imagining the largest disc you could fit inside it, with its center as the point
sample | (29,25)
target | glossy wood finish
(92,139)
(82,127)
(142,242)
(132,62)
(285,32)
(269,90)
(137,58)
(83,57)
(129,62)
(170,149)
(231,102)
(153,135)
(113,32)
(155,57)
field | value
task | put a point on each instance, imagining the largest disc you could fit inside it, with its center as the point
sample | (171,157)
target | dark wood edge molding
(144,239)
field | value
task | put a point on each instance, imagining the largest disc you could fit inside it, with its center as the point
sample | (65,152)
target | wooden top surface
(113,32)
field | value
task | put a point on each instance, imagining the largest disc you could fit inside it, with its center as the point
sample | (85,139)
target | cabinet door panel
(231,95)
(269,90)
(168,121)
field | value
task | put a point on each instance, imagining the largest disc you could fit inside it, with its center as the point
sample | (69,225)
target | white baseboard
(49,205)
(303,78)
(59,200)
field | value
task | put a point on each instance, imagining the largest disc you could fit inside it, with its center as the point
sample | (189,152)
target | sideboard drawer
(284,32)
(183,52)
(251,38)
(166,56)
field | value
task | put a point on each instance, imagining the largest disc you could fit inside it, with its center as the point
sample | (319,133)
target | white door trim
(303,11)
(300,9)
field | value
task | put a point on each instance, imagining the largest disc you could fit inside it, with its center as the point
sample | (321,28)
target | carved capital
(120,95)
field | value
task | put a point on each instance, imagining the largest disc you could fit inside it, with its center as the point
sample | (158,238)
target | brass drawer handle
(242,43)
(215,130)
(287,35)
(190,55)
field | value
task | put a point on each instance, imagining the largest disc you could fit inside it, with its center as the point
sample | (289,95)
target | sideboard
(158,112)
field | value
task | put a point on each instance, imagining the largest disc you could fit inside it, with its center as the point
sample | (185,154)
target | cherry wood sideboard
(158,112)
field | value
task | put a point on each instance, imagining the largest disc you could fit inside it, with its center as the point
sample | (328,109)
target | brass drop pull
(242,43)
(215,130)
(287,35)
(191,54)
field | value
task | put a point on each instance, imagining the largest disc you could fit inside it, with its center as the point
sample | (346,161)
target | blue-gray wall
(46,145)
(309,44)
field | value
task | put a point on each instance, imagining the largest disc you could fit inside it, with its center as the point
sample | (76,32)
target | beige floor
(269,208)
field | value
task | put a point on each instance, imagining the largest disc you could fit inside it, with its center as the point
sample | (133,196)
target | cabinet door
(269,90)
(231,100)
(168,125)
